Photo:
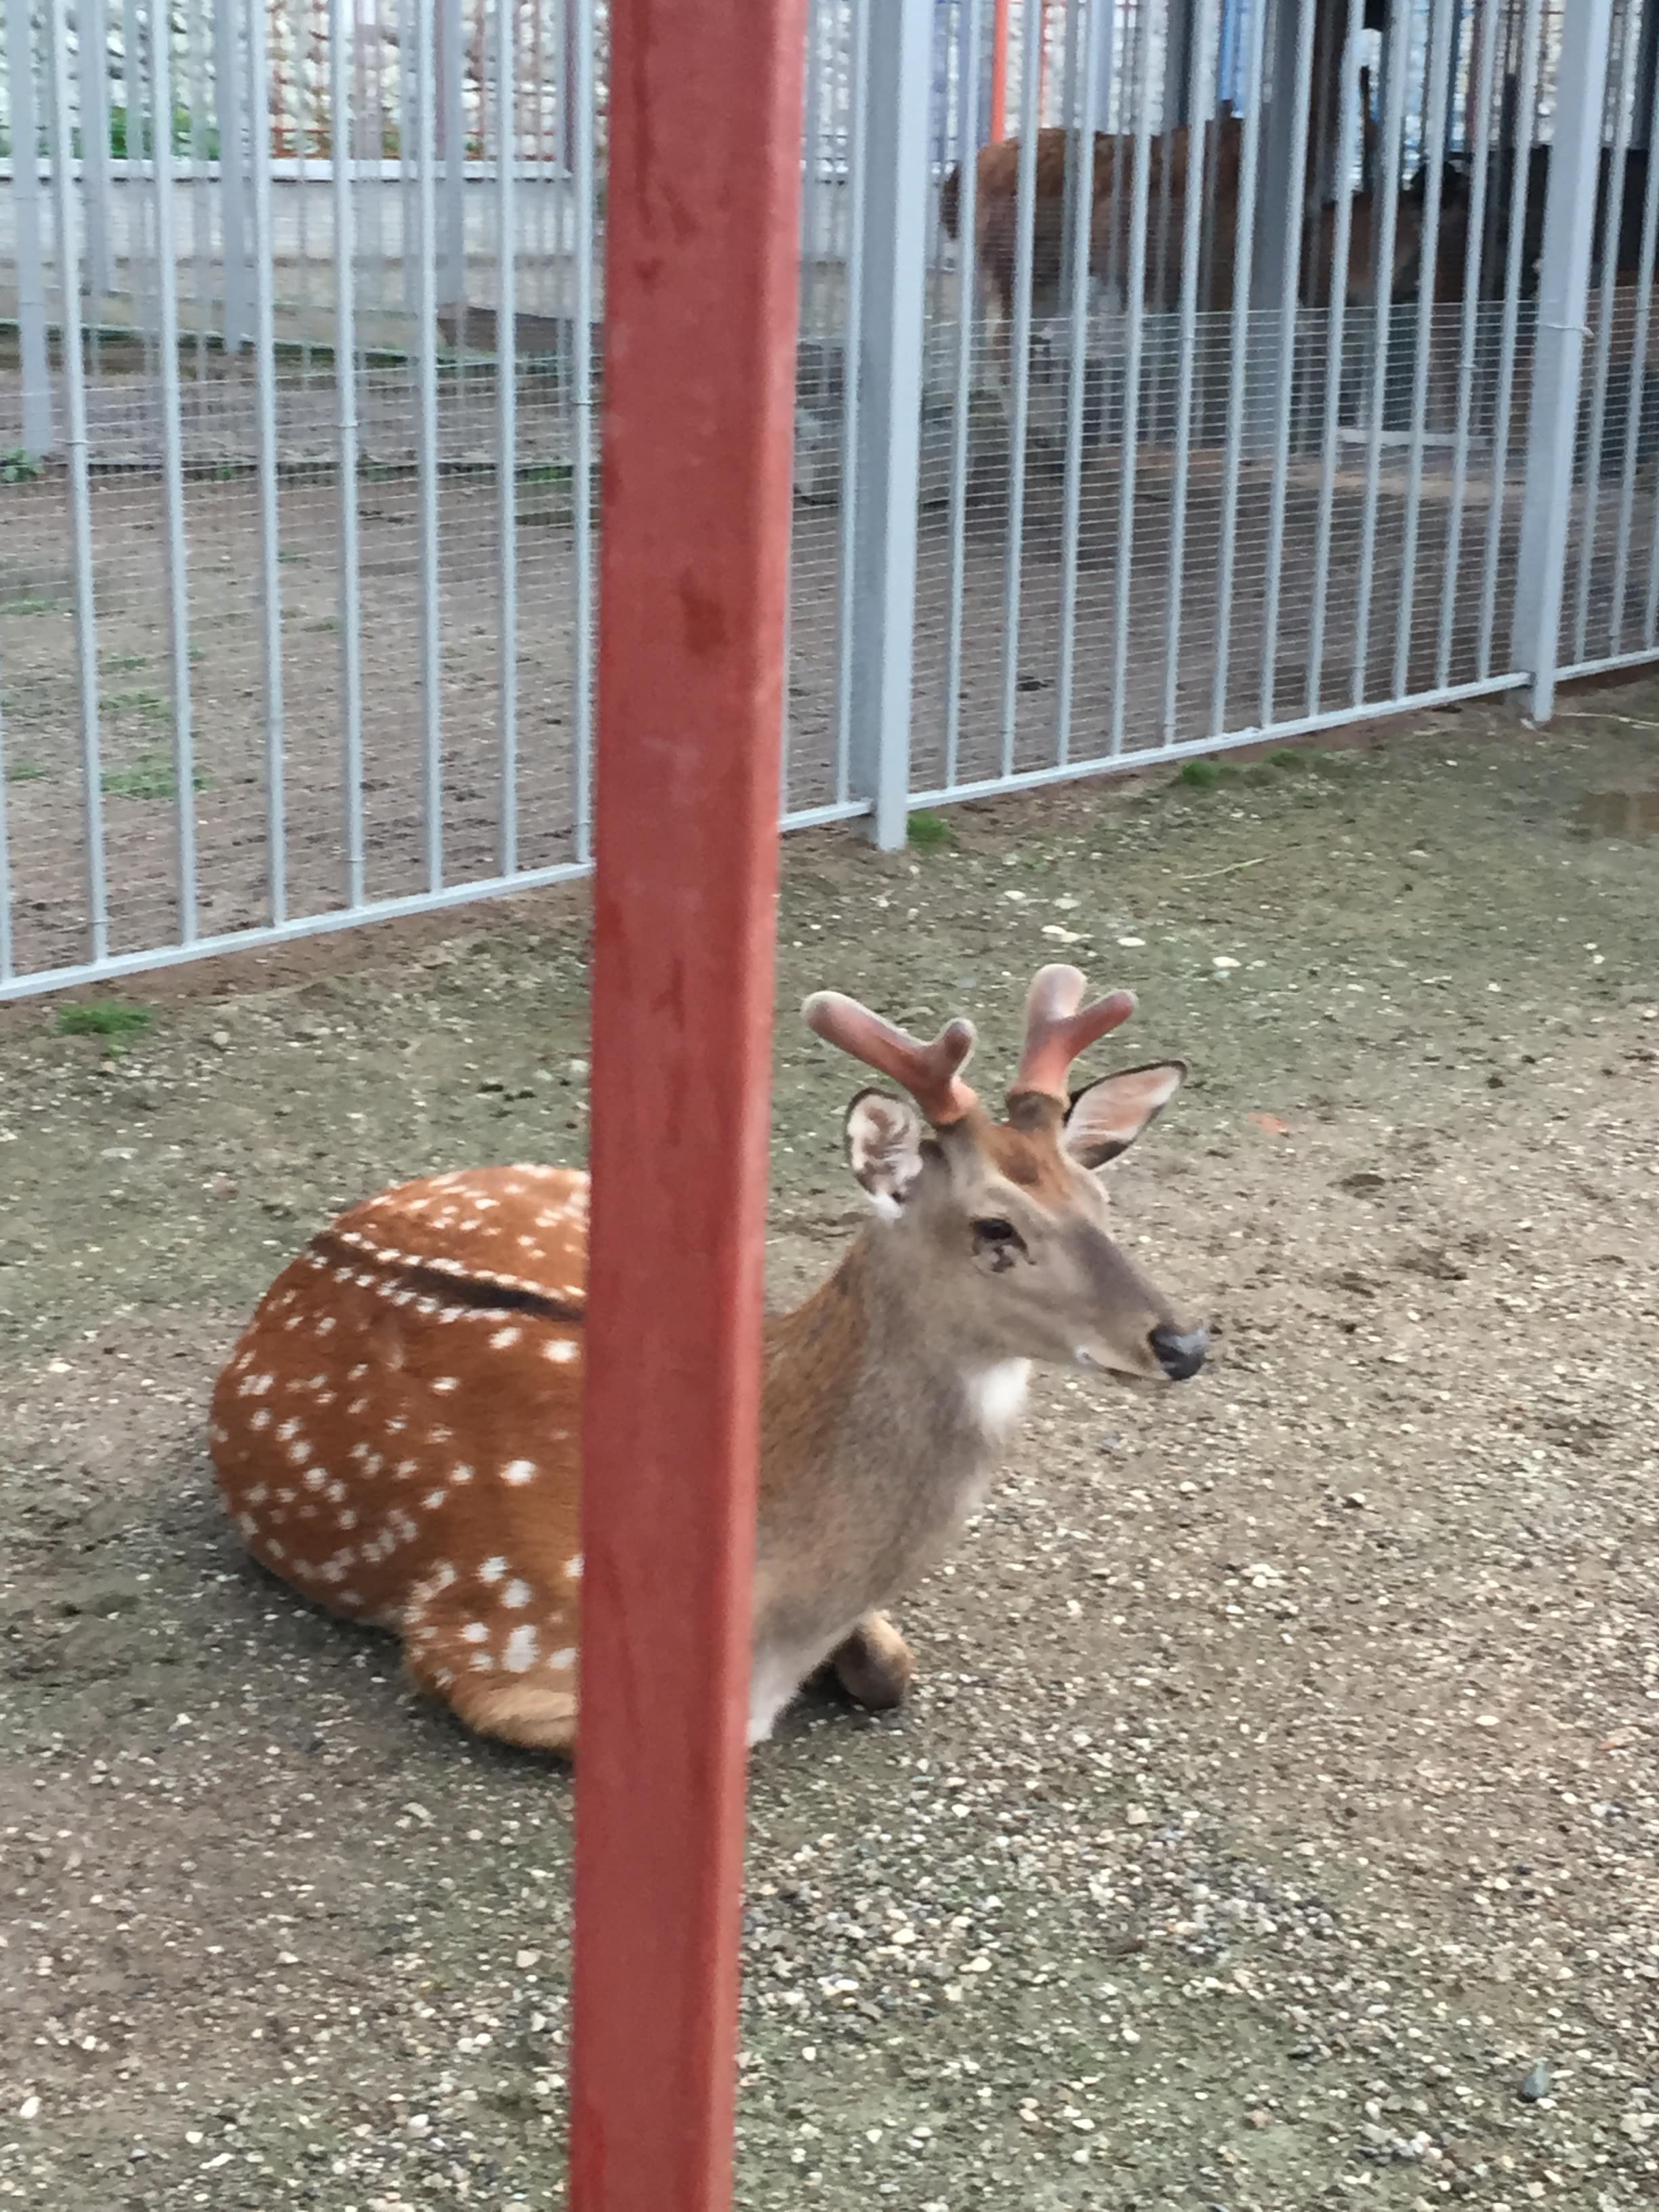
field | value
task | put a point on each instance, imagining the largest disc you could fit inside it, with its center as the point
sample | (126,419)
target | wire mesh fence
(1217,397)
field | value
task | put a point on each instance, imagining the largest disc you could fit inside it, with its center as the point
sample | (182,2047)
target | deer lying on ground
(397,1434)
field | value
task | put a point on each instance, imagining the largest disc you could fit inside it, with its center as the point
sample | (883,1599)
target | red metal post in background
(700,299)
(999,72)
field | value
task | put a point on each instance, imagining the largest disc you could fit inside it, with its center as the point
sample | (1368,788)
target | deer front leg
(874,1665)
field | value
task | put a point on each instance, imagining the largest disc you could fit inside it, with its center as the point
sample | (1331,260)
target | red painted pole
(999,72)
(701,290)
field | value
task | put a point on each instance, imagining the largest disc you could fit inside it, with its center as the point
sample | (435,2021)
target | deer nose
(1179,1351)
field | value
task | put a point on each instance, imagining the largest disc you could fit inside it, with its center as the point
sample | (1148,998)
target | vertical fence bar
(1081,115)
(451,46)
(962,404)
(264,363)
(1016,390)
(507,420)
(1638,383)
(132,141)
(1347,144)
(1383,231)
(583,41)
(895,116)
(299,19)
(92,58)
(811,166)
(426,341)
(1139,216)
(340,17)
(1243,246)
(201,210)
(700,390)
(25,220)
(1202,131)
(227,101)
(1611,228)
(1484,55)
(80,491)
(159,24)
(1290,172)
(1525,102)
(1441,24)
(852,356)
(1562,293)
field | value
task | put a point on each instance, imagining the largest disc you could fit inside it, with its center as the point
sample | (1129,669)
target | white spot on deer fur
(299,1451)
(357,1406)
(519,1656)
(516,1595)
(482,1663)
(324,1325)
(476,1632)
(573,1569)
(561,1350)
(337,1491)
(519,1471)
(246,1524)
(347,1518)
(996,1395)
(503,1338)
(492,1570)
(407,1466)
(439,1434)
(461,1473)
(287,1430)
(434,1499)
(562,1659)
(315,1477)
(276,1551)
(443,1575)
(357,1373)
(257,1494)
(260,1420)
(445,1383)
(334,1570)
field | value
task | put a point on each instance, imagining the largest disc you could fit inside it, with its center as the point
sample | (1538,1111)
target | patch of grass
(198,652)
(103,1018)
(18,466)
(1200,775)
(546,472)
(24,771)
(289,558)
(324,622)
(930,833)
(31,607)
(124,663)
(149,704)
(151,776)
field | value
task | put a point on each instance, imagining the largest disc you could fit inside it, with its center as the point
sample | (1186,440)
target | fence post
(1557,360)
(26,191)
(701,276)
(891,308)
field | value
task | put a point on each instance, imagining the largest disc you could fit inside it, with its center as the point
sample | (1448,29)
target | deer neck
(879,1426)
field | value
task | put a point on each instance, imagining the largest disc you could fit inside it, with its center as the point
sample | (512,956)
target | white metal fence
(1290,365)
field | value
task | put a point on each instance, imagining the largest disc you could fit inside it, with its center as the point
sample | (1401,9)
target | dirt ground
(1275,1825)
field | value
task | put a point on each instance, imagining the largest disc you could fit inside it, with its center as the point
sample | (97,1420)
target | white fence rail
(1289,368)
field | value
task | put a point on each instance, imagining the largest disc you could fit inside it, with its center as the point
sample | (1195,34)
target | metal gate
(1276,363)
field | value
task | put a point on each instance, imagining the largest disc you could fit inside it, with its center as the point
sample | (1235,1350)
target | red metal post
(701,295)
(999,72)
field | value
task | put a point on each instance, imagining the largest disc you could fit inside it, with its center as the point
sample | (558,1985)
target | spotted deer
(397,1434)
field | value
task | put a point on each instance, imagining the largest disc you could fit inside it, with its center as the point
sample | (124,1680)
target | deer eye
(998,1241)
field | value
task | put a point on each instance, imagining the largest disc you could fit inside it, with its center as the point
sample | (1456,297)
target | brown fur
(397,1433)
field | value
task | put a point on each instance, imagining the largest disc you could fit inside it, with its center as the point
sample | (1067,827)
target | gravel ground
(1275,1823)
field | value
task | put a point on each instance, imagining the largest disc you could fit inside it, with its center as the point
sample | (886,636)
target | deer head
(1004,1227)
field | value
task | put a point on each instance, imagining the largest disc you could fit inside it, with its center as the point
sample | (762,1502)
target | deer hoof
(874,1665)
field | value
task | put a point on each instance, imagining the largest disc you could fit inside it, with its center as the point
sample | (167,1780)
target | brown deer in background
(1170,158)
(397,1433)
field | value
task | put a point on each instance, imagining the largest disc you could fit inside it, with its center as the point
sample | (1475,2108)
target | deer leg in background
(874,1665)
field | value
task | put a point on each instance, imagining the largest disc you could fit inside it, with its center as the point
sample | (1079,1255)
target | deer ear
(1107,1117)
(883,1148)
